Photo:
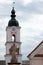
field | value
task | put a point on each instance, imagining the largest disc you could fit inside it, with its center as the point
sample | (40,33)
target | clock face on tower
(13,30)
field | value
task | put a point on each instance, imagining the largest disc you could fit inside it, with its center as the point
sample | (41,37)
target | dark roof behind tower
(2,62)
(13,21)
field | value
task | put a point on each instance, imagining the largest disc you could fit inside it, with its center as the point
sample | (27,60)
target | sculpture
(14,51)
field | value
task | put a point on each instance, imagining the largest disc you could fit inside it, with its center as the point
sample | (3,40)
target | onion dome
(13,21)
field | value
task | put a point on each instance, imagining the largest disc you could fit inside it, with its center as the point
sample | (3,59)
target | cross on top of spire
(13,4)
(13,11)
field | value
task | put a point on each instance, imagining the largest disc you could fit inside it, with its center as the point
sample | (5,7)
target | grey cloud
(4,10)
(38,38)
(34,7)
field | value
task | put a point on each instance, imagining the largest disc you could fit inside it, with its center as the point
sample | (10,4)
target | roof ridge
(35,48)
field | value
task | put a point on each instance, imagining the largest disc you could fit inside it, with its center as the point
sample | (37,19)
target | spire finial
(13,11)
(13,4)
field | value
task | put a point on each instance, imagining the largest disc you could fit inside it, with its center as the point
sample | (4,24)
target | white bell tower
(13,37)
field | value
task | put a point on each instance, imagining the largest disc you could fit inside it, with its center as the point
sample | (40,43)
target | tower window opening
(13,38)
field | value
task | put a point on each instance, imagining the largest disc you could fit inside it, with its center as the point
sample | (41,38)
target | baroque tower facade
(13,37)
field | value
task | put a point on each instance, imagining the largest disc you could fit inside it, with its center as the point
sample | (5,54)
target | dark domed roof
(13,21)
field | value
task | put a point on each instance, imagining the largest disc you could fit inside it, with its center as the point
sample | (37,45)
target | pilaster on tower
(13,37)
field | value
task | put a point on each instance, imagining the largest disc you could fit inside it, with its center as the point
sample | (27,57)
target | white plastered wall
(9,43)
(38,61)
(9,33)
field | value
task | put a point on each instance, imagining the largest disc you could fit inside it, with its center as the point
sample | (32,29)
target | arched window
(13,38)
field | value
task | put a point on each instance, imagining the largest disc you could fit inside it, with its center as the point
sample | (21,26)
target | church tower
(13,37)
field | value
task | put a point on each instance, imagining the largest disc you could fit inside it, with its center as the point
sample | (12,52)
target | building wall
(25,62)
(9,31)
(15,33)
(41,51)
(36,56)
(36,62)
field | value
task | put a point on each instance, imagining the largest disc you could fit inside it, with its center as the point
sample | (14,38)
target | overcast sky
(29,14)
